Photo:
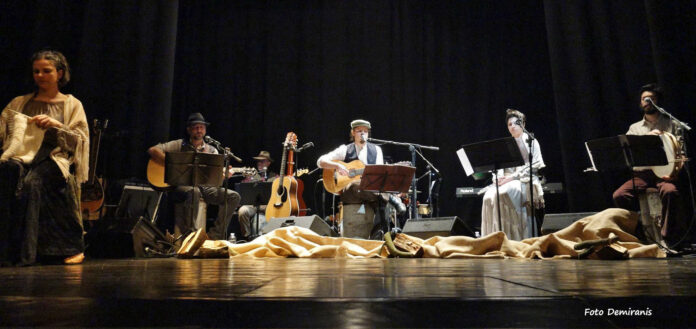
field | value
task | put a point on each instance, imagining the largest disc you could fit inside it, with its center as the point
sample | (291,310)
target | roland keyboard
(466,192)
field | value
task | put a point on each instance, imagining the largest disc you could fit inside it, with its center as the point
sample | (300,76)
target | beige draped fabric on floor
(296,241)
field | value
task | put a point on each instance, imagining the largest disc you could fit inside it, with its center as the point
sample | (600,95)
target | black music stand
(491,155)
(387,179)
(193,169)
(257,194)
(626,151)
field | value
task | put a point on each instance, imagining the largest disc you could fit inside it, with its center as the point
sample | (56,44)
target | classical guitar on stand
(283,201)
(92,192)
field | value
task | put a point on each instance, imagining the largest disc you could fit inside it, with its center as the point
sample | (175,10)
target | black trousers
(39,213)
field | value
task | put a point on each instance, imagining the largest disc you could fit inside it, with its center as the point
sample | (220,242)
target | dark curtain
(601,53)
(435,73)
(121,55)
(432,73)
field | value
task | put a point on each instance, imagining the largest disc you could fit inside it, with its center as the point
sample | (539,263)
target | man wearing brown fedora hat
(226,200)
(247,212)
(263,162)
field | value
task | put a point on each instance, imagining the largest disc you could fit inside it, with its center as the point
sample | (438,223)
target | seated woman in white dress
(513,186)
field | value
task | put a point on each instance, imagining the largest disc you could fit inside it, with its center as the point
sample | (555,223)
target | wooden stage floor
(352,293)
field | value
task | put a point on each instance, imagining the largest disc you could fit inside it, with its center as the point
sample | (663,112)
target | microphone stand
(681,124)
(530,141)
(228,154)
(413,149)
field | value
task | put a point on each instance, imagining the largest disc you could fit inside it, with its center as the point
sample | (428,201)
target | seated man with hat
(367,153)
(247,212)
(226,200)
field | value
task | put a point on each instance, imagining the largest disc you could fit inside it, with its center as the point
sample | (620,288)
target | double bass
(284,199)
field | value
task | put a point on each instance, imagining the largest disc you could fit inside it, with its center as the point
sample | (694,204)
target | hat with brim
(360,123)
(264,155)
(196,118)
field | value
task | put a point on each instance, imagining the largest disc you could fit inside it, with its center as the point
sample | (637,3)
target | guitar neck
(290,163)
(282,163)
(355,172)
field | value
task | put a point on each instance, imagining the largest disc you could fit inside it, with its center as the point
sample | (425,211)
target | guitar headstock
(290,141)
(301,172)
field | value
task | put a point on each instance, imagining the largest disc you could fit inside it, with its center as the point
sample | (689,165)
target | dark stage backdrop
(437,73)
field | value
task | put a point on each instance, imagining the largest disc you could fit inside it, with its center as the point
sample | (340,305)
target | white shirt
(340,154)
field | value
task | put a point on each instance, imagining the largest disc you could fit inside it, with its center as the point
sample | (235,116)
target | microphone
(518,122)
(265,173)
(304,147)
(649,100)
(363,138)
(210,140)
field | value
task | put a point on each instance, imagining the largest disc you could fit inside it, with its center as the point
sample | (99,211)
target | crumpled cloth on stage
(606,224)
(296,241)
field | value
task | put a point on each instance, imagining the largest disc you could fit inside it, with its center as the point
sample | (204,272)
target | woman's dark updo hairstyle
(58,61)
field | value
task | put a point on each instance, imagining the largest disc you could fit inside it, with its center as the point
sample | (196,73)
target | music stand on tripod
(634,153)
(491,155)
(193,169)
(626,151)
(387,179)
(256,194)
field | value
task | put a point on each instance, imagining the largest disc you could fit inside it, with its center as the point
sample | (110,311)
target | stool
(651,215)
(357,225)
(198,222)
(202,216)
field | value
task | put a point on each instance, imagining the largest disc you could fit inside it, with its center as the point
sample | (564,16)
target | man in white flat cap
(358,149)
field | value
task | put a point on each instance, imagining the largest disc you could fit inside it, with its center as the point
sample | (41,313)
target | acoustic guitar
(155,173)
(283,201)
(290,171)
(335,182)
(92,191)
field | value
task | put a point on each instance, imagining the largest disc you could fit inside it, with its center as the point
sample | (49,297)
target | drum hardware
(415,150)
(424,210)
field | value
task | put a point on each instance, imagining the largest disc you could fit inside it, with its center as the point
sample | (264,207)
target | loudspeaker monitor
(442,226)
(556,222)
(314,223)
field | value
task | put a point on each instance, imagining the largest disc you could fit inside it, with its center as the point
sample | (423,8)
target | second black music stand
(256,194)
(491,155)
(626,151)
(387,179)
(193,169)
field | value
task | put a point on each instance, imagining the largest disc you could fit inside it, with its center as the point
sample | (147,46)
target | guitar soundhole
(283,197)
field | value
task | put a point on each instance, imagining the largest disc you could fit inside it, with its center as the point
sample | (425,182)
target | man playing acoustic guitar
(343,161)
(196,127)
